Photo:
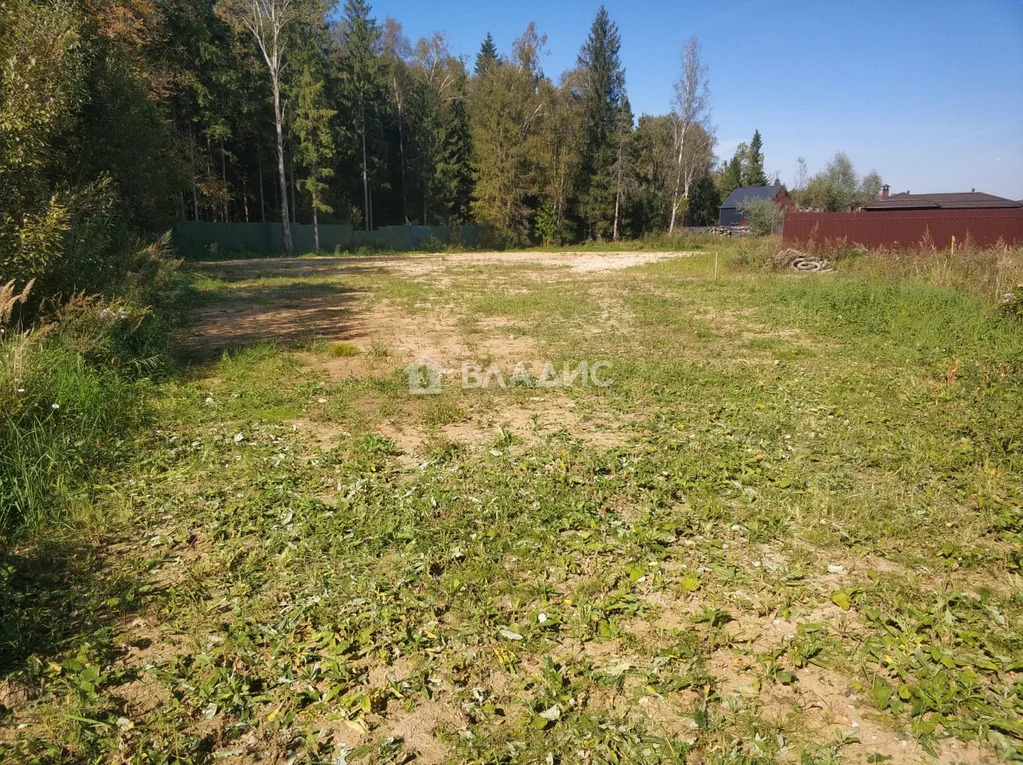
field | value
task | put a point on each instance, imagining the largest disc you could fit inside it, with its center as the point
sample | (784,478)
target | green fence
(192,237)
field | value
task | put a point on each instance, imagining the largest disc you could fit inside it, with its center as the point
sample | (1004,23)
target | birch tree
(691,108)
(268,21)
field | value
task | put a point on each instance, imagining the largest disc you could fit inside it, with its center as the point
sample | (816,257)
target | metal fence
(904,229)
(191,237)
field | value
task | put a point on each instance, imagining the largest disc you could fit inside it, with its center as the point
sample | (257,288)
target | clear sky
(928,93)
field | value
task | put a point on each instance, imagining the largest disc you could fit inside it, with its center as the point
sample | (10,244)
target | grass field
(791,530)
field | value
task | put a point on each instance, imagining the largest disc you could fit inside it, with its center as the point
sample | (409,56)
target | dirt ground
(331,311)
(387,336)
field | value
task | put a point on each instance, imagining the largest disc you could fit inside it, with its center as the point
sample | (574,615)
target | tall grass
(62,419)
(993,274)
(988,273)
(71,388)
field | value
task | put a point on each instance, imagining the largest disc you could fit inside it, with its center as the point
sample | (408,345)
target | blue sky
(930,94)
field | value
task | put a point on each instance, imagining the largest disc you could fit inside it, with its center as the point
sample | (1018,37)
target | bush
(431,244)
(763,216)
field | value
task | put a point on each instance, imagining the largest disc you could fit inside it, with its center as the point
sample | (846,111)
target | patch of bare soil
(389,339)
(282,315)
(579,262)
(418,729)
(292,314)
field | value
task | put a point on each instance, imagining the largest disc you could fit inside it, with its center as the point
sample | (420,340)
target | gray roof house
(968,200)
(730,215)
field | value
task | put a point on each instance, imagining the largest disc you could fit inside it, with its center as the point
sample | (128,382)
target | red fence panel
(905,229)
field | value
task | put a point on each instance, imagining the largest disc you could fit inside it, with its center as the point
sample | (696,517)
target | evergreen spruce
(487,54)
(603,94)
(362,89)
(755,175)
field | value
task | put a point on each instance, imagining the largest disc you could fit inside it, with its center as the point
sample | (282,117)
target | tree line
(297,110)
(126,115)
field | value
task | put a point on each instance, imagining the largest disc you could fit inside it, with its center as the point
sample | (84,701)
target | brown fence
(907,229)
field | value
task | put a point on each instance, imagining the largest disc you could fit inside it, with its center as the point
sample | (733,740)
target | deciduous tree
(505,117)
(268,22)
(691,110)
(624,167)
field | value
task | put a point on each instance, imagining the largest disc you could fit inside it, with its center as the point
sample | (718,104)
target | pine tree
(487,54)
(754,172)
(604,92)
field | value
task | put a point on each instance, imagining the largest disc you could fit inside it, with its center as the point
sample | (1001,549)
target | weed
(811,480)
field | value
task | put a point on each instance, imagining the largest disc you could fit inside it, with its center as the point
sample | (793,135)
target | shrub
(763,216)
(431,244)
(549,225)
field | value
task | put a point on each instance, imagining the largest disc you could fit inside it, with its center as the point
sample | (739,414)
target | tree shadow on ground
(297,268)
(289,315)
(57,590)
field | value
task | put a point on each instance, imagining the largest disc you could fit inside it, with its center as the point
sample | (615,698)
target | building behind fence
(192,237)
(904,230)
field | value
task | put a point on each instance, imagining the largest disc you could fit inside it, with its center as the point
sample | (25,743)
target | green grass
(813,503)
(334,350)
(652,243)
(64,421)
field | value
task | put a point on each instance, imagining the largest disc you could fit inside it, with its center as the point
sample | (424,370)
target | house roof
(961,201)
(738,196)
